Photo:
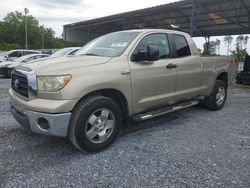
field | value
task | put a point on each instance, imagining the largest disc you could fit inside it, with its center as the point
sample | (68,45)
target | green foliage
(12,33)
(209,48)
(239,51)
(212,48)
(9,46)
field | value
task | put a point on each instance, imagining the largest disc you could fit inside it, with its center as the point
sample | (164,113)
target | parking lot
(190,148)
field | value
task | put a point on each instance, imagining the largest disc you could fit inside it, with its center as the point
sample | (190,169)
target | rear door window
(182,46)
(29,52)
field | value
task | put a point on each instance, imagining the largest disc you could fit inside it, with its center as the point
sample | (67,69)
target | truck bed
(219,62)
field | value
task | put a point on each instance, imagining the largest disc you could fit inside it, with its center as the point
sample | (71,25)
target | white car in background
(7,66)
(13,54)
(65,52)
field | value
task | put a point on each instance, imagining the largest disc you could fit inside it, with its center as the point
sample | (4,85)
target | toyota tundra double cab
(133,74)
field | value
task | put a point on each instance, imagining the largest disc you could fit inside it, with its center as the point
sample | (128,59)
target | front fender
(98,78)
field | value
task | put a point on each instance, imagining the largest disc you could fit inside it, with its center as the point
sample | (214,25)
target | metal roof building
(200,18)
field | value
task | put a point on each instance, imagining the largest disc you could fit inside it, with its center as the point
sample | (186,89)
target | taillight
(236,62)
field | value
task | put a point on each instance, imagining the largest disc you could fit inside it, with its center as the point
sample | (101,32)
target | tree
(228,41)
(14,29)
(218,42)
(12,33)
(239,53)
(209,48)
(240,40)
(246,40)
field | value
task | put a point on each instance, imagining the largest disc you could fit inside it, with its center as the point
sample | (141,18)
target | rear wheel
(95,123)
(218,96)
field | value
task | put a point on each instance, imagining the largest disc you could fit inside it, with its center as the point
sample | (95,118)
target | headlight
(52,83)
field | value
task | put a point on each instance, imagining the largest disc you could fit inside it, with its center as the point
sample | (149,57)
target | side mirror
(152,54)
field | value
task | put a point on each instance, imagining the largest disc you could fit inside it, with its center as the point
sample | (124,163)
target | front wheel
(95,123)
(218,96)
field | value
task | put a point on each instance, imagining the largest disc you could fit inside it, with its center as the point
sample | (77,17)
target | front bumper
(43,105)
(57,123)
(4,71)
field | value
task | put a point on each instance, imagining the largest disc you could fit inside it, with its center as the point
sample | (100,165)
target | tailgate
(232,70)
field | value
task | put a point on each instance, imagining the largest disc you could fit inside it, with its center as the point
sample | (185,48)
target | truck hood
(47,66)
(14,65)
(2,58)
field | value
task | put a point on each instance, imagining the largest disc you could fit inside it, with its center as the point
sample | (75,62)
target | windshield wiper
(90,54)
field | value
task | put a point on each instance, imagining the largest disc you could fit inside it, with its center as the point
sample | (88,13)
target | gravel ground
(189,148)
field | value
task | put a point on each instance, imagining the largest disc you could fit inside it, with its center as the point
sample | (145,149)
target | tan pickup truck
(134,74)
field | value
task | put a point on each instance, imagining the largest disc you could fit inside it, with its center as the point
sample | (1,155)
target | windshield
(5,53)
(61,52)
(110,45)
(20,58)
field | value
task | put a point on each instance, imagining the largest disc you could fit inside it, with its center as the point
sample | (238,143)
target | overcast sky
(56,13)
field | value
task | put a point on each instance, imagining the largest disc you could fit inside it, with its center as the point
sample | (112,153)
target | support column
(88,33)
(193,20)
(124,24)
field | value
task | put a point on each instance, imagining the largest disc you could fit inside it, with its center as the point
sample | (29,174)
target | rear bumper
(57,124)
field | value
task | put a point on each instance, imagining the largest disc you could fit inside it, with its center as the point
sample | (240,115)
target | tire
(91,127)
(218,96)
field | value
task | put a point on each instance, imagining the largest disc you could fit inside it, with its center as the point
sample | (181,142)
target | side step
(166,110)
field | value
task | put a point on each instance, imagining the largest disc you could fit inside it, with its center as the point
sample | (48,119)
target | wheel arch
(223,76)
(114,94)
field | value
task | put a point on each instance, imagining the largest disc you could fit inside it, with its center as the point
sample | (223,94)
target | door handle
(125,72)
(171,66)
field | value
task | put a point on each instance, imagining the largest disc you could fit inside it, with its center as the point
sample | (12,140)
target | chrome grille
(19,84)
